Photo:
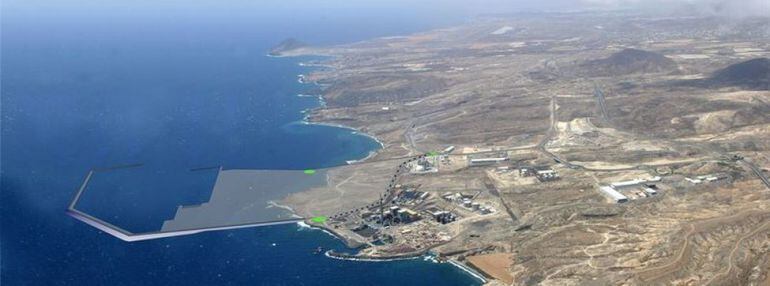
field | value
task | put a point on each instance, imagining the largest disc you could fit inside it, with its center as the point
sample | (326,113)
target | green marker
(319,219)
(309,171)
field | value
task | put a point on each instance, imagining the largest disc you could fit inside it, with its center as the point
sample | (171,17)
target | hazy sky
(727,8)
(432,7)
(365,14)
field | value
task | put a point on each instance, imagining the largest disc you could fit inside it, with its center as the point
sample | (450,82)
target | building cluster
(705,178)
(400,229)
(424,165)
(443,157)
(543,174)
(397,215)
(621,192)
(547,175)
(392,215)
(410,197)
(441,216)
(429,163)
(467,201)
(400,220)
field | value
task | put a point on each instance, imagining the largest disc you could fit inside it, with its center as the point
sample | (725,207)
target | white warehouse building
(486,161)
(632,183)
(614,195)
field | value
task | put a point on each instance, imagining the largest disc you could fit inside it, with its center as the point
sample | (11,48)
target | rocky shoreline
(396,257)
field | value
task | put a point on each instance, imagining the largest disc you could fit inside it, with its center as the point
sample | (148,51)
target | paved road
(548,135)
(493,190)
(599,95)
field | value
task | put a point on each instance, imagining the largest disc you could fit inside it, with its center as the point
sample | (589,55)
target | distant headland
(286,45)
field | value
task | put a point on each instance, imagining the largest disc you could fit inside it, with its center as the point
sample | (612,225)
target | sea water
(174,89)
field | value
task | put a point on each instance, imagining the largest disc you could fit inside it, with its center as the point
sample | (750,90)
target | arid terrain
(586,148)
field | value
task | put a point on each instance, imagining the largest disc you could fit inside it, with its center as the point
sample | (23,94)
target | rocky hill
(752,74)
(629,61)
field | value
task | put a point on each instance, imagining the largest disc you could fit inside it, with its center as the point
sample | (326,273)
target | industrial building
(636,188)
(704,178)
(486,210)
(546,175)
(634,182)
(397,214)
(441,216)
(527,172)
(424,165)
(543,173)
(626,184)
(650,191)
(407,215)
(486,161)
(456,197)
(612,194)
(411,196)
(467,201)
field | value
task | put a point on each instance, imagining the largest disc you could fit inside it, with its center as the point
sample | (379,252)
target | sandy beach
(494,265)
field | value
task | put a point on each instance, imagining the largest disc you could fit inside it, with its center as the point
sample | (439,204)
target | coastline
(305,224)
(369,156)
(333,255)
(297,53)
(354,130)
(407,256)
(272,204)
(468,270)
(350,257)
(322,104)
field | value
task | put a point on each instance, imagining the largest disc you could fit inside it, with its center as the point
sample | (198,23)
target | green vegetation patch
(309,171)
(319,219)
(432,153)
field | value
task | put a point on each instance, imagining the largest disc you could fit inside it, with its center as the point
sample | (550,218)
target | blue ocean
(173,86)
